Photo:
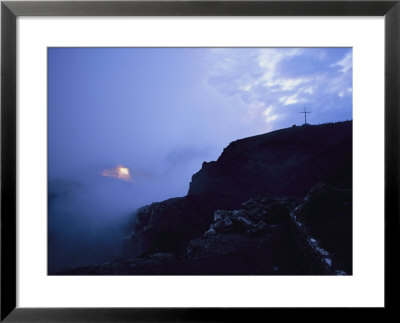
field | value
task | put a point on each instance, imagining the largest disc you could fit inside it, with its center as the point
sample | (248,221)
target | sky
(130,126)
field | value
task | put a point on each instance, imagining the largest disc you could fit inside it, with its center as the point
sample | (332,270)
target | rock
(210,233)
(253,218)
(167,227)
(323,228)
(241,239)
(257,229)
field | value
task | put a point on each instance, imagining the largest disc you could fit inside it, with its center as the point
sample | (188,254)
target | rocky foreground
(274,204)
(267,236)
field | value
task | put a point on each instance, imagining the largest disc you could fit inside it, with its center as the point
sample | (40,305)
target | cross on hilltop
(305,115)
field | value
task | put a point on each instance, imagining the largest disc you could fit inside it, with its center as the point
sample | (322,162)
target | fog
(161,112)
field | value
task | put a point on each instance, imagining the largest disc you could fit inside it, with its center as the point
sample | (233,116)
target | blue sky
(160,108)
(161,112)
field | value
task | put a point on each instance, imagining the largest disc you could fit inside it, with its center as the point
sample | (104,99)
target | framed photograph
(182,160)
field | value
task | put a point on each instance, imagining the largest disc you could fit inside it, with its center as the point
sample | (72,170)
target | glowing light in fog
(118,172)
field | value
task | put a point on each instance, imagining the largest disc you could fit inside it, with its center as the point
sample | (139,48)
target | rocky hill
(286,162)
(259,209)
(280,163)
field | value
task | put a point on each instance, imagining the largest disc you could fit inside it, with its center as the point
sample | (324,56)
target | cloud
(269,114)
(345,64)
(286,100)
(276,83)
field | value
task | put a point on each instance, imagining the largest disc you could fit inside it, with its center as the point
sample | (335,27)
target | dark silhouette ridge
(280,163)
(286,164)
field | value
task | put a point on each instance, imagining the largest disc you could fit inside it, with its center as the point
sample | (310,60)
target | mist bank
(89,215)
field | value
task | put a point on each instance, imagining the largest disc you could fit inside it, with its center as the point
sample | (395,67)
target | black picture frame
(10,10)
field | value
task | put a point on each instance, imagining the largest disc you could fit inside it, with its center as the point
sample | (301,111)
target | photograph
(199,161)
